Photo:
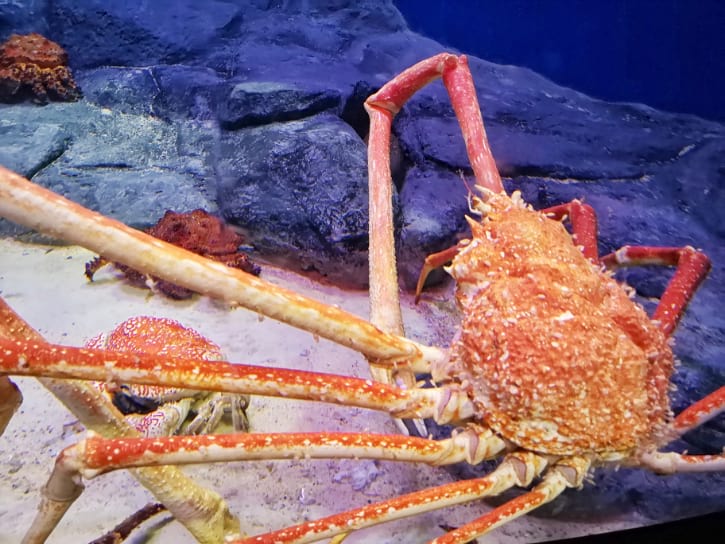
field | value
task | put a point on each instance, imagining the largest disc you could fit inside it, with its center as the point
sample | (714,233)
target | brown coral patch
(32,66)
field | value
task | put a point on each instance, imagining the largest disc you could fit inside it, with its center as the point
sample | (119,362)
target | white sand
(47,287)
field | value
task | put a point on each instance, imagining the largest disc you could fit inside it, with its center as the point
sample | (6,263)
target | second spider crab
(555,368)
(161,411)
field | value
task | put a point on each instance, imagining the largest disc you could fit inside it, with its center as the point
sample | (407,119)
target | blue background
(668,54)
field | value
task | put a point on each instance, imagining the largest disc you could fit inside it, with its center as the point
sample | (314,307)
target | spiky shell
(559,359)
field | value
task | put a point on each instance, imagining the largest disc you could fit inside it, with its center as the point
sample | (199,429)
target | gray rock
(260,103)
(22,17)
(25,146)
(136,196)
(132,167)
(137,32)
(300,190)
(125,90)
(434,206)
(696,182)
(187,92)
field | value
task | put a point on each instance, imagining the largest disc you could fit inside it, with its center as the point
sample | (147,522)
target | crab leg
(516,469)
(204,513)
(695,415)
(671,462)
(384,299)
(567,473)
(35,207)
(382,107)
(703,410)
(583,220)
(433,261)
(97,455)
(456,75)
(692,268)
(36,359)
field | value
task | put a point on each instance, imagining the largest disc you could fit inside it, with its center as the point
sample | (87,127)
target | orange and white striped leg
(703,410)
(515,469)
(693,416)
(42,359)
(568,472)
(672,462)
(96,455)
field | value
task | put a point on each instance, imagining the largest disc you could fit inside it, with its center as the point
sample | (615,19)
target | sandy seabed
(46,285)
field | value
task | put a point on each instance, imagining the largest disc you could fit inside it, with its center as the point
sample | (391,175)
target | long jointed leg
(459,83)
(703,410)
(566,473)
(42,359)
(515,469)
(692,268)
(382,108)
(96,455)
(693,416)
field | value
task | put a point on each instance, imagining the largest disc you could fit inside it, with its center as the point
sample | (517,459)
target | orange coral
(197,231)
(32,65)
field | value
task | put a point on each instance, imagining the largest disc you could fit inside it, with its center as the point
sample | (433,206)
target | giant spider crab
(555,367)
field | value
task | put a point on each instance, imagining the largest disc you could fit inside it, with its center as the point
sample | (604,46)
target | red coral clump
(197,231)
(33,66)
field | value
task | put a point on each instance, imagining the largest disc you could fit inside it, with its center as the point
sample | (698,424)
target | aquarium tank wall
(668,54)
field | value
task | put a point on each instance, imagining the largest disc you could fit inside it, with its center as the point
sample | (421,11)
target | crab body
(161,411)
(559,359)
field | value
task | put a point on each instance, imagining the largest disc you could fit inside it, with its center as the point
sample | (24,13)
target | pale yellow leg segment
(508,474)
(568,472)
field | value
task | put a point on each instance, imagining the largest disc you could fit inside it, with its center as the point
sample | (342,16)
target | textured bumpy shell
(156,336)
(559,358)
(35,65)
